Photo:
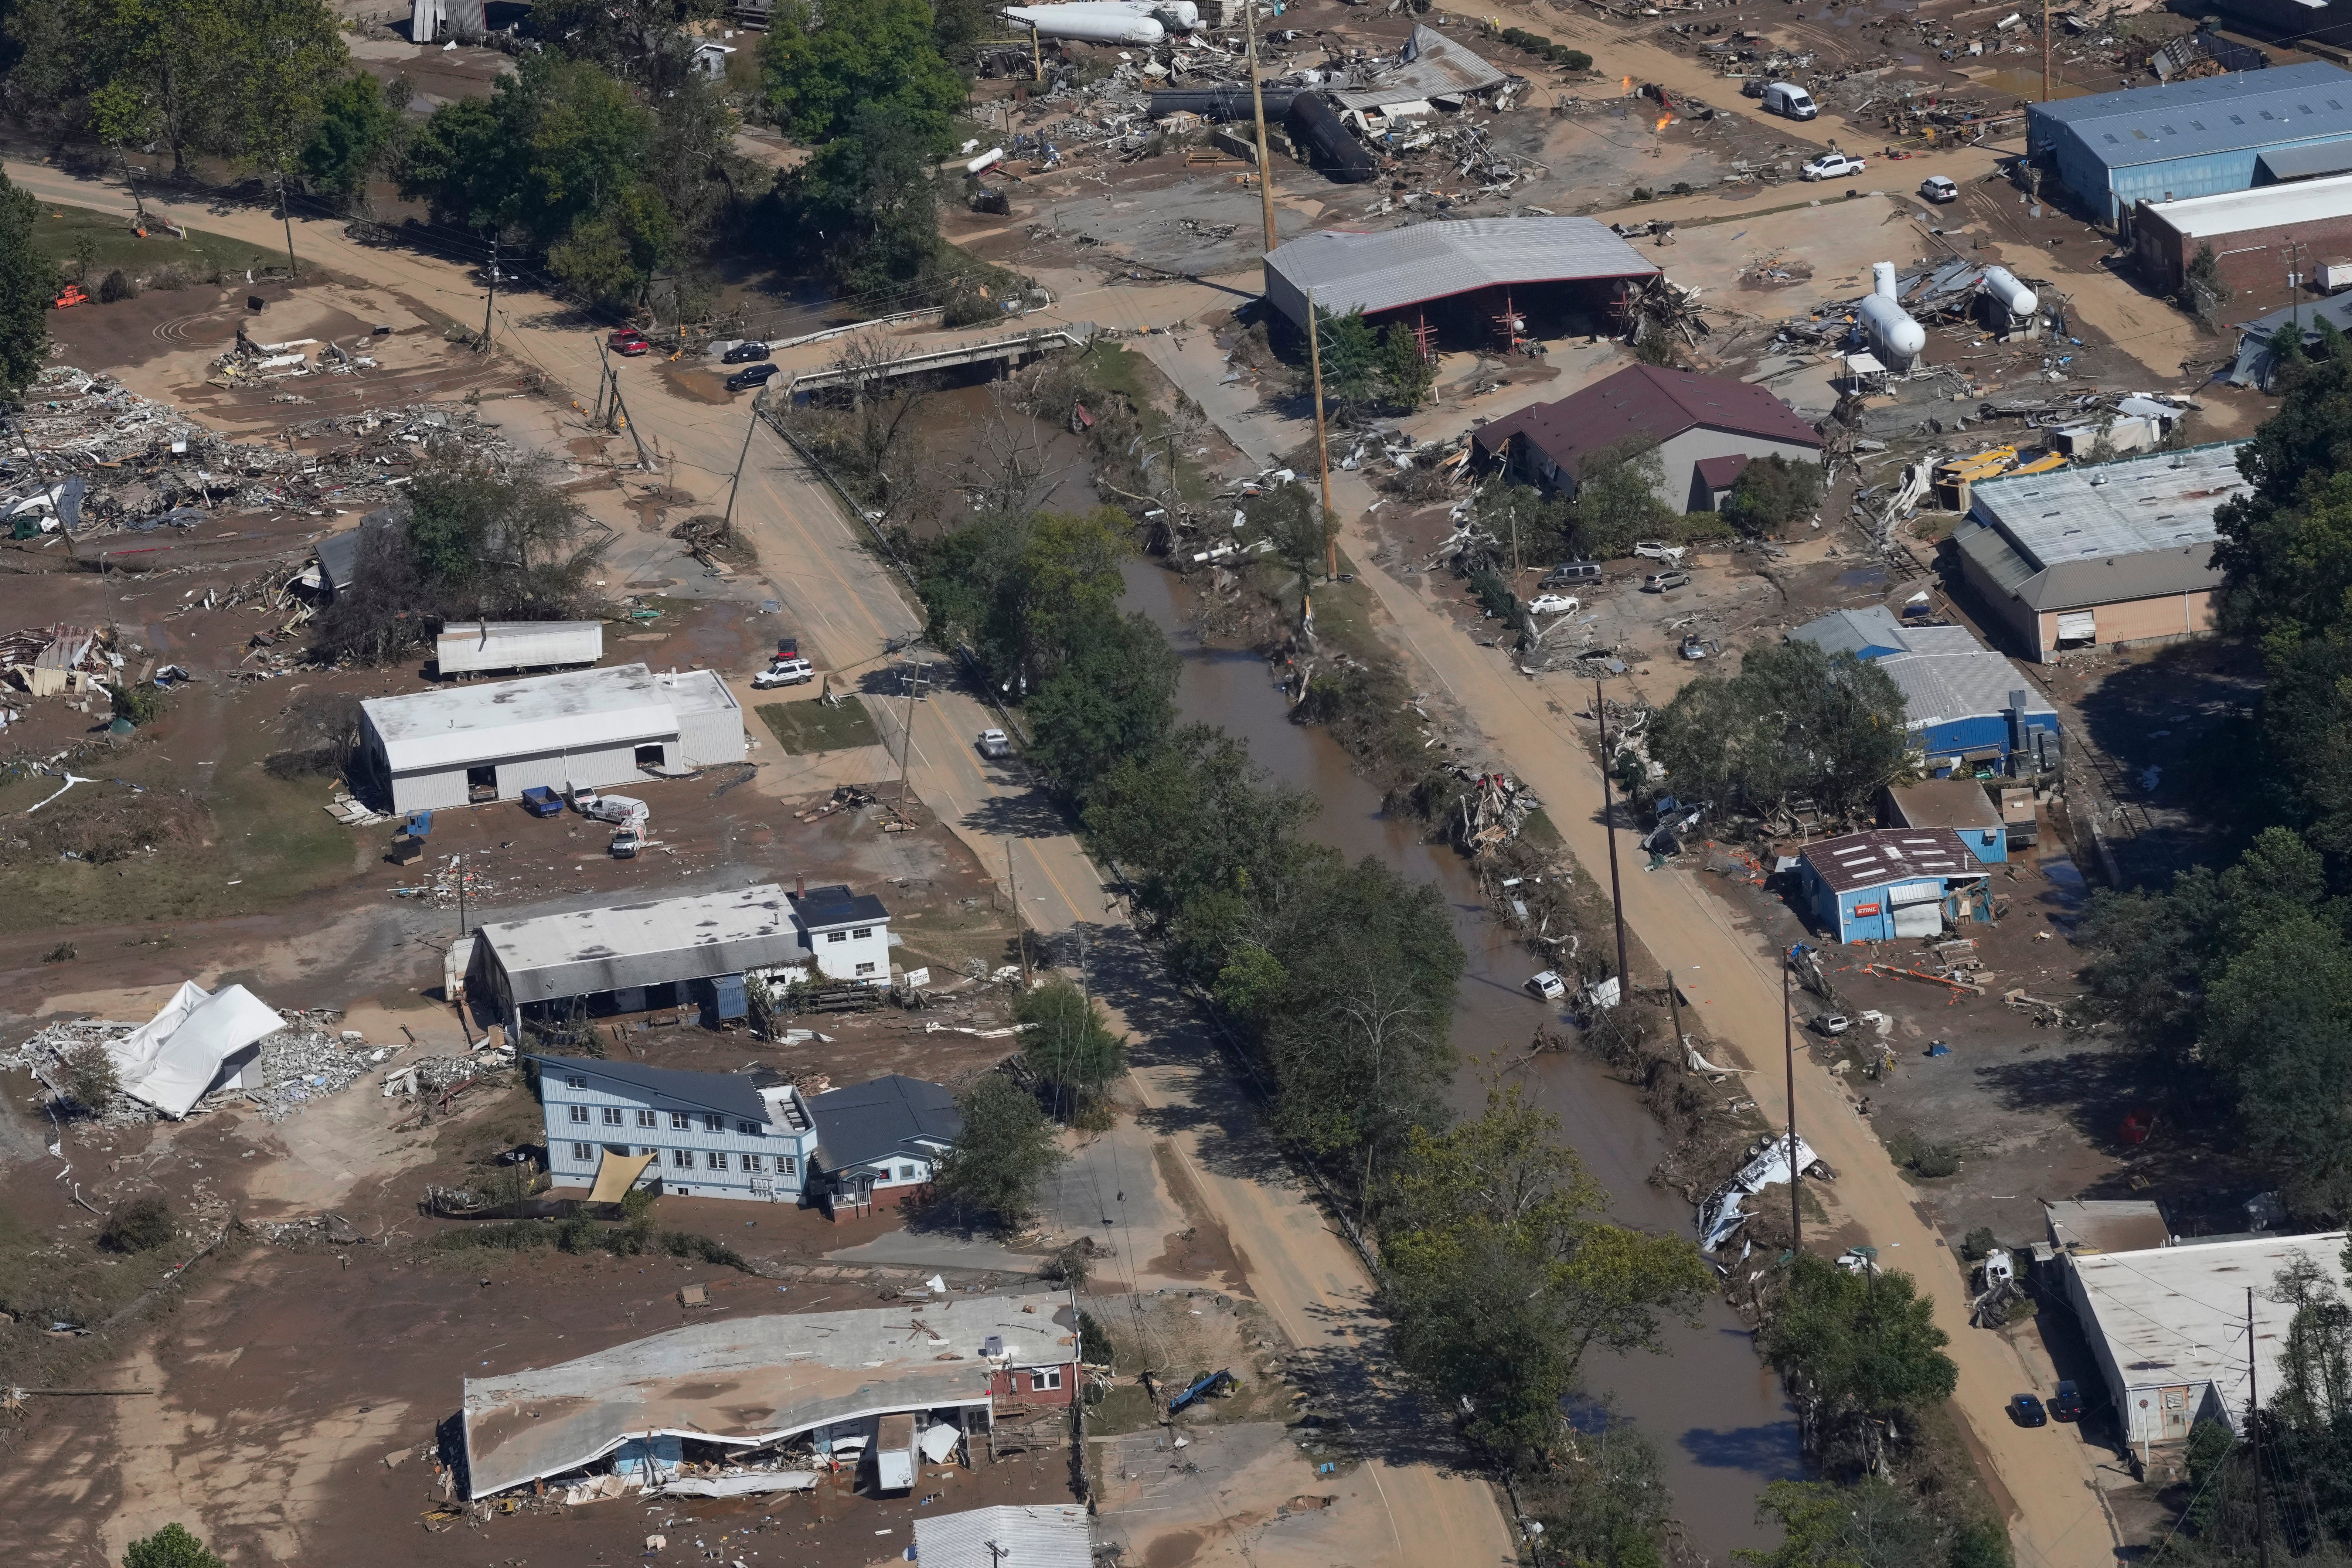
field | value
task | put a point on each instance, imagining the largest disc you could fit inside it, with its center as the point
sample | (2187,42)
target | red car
(630,341)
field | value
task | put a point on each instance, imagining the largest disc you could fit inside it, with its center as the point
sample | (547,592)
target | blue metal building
(1969,710)
(2197,138)
(1890,883)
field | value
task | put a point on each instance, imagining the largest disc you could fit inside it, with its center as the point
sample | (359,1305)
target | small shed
(1958,803)
(1890,883)
(477,647)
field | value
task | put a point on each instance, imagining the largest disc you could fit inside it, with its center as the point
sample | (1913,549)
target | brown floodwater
(1717,1416)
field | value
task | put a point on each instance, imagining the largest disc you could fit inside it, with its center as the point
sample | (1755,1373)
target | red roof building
(1706,428)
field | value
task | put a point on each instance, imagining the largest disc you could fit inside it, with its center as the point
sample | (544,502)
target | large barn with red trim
(1476,282)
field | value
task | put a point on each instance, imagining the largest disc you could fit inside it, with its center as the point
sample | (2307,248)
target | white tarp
(937,1441)
(742,1486)
(170,1060)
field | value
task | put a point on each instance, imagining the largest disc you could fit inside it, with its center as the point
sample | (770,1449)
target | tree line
(2236,980)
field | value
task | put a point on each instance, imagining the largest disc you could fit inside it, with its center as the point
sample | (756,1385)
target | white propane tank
(2014,297)
(1114,27)
(1882,279)
(1187,15)
(1893,336)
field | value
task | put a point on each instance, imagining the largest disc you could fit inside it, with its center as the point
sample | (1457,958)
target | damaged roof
(1424,261)
(1885,855)
(1645,401)
(2104,533)
(1944,673)
(744,1382)
(1432,66)
(585,951)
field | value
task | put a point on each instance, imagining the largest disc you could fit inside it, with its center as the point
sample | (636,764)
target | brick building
(2258,237)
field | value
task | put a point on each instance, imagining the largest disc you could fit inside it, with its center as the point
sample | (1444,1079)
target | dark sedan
(2026,1411)
(750,376)
(742,353)
(2066,1404)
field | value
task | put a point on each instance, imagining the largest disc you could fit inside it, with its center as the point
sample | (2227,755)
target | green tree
(1794,721)
(1616,502)
(291,57)
(1407,375)
(1866,1525)
(1003,1154)
(867,205)
(1292,516)
(641,41)
(1350,353)
(1861,1346)
(611,255)
(89,1076)
(170,1547)
(1114,696)
(162,69)
(358,134)
(1068,1043)
(29,282)
(877,54)
(1503,1273)
(1773,494)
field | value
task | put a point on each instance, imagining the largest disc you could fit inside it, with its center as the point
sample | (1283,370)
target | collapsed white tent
(174,1058)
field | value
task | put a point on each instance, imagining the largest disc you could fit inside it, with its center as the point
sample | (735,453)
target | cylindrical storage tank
(1221,103)
(1882,279)
(1894,337)
(1088,27)
(1337,154)
(2014,297)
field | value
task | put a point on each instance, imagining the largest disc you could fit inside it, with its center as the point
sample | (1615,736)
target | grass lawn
(801,728)
(67,235)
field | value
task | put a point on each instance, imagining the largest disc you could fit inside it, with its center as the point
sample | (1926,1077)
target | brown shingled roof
(1648,402)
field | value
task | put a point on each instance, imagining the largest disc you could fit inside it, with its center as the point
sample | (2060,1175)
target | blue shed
(2196,138)
(1893,882)
(1960,805)
(1969,711)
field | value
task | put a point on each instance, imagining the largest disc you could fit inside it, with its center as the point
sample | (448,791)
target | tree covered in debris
(1293,518)
(474,543)
(1003,1154)
(1503,1271)
(1796,723)
(2202,291)
(1866,1523)
(29,282)
(1772,493)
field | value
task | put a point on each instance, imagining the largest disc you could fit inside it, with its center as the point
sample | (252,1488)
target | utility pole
(1322,443)
(461,894)
(1609,822)
(493,300)
(1258,103)
(2254,1431)
(1674,1006)
(2294,286)
(2045,52)
(1789,1053)
(293,267)
(1020,927)
(741,457)
(915,682)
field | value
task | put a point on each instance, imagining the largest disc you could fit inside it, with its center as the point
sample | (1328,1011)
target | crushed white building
(198,1041)
(463,745)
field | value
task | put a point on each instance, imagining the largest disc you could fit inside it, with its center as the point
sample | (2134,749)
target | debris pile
(308,1059)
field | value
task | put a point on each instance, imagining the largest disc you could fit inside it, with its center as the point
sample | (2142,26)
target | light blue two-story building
(708,1134)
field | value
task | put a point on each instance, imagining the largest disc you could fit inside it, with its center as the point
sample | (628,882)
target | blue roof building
(1888,884)
(2197,138)
(1968,708)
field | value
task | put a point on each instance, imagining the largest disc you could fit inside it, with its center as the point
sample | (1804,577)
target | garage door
(1919,920)
(2078,625)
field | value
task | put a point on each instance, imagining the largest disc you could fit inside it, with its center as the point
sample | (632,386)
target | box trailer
(894,1454)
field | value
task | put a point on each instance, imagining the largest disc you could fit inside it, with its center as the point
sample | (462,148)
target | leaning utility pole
(490,303)
(293,267)
(1609,824)
(1258,103)
(1788,1054)
(736,480)
(1322,442)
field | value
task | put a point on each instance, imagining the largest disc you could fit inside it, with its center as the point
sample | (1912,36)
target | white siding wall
(784,1155)
(540,644)
(709,738)
(853,953)
(599,767)
(1682,453)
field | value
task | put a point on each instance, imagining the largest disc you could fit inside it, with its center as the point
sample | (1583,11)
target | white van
(1786,98)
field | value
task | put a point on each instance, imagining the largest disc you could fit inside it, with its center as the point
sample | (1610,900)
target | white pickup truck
(1833,166)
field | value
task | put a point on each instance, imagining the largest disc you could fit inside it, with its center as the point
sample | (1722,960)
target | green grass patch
(1538,830)
(71,236)
(801,728)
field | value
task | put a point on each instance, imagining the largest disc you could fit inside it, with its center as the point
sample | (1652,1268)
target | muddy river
(1717,1416)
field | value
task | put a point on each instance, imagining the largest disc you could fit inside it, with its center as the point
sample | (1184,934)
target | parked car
(1548,986)
(1694,645)
(2026,1411)
(784,672)
(1832,1023)
(2066,1404)
(994,744)
(1833,166)
(742,353)
(750,376)
(1555,603)
(630,341)
(1660,582)
(1937,188)
(788,647)
(1786,98)
(1569,571)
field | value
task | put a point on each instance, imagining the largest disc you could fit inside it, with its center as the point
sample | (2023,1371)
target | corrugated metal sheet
(2265,206)
(465,647)
(1431,260)
(588,951)
(1032,1535)
(2305,163)
(2236,111)
(709,719)
(1430,65)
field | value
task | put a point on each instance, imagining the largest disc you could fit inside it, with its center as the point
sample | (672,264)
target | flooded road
(1717,1416)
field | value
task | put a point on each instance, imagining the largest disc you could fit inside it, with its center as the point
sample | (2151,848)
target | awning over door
(2078,625)
(1927,892)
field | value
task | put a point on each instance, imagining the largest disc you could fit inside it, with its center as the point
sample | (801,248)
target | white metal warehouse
(462,745)
(478,648)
